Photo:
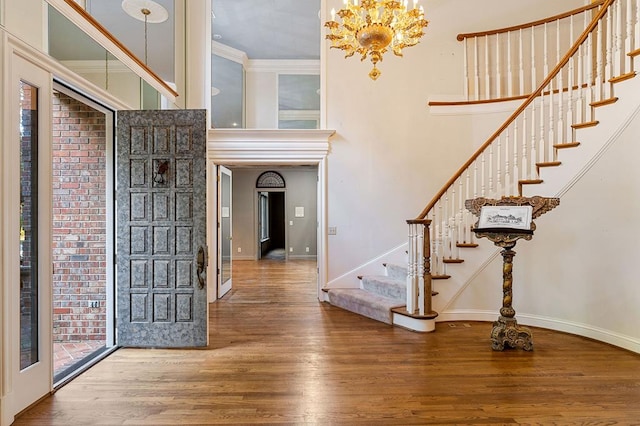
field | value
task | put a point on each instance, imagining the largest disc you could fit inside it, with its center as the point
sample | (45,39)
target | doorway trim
(255,147)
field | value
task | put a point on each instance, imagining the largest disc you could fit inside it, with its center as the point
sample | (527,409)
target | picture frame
(505,217)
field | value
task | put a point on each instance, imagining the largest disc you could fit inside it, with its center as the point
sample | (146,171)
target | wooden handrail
(98,26)
(593,5)
(525,104)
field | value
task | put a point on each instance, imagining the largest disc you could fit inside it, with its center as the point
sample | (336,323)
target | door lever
(201,263)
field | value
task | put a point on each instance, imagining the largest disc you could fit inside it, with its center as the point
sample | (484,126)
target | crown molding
(229,53)
(284,66)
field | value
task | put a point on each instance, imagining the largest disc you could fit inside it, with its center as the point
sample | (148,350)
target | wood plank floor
(278,356)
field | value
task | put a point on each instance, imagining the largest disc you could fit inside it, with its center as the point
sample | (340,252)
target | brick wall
(79,221)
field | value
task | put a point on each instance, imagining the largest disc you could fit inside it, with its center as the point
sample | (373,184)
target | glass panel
(28,225)
(226,227)
(298,101)
(227,103)
(83,55)
(150,96)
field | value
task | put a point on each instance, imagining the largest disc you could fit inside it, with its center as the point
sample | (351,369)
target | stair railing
(527,141)
(509,62)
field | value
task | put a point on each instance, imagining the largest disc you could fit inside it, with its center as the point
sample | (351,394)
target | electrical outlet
(239,249)
(307,249)
(290,249)
(333,230)
(94,304)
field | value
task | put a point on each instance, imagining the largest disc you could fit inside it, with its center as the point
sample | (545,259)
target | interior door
(26,242)
(161,229)
(224,230)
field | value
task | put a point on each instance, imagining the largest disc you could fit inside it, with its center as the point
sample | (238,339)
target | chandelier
(374,26)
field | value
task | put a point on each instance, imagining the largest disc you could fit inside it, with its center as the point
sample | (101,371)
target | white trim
(64,74)
(226,52)
(555,324)
(282,66)
(414,324)
(275,148)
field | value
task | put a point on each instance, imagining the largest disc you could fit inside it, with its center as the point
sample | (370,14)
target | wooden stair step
(622,77)
(548,164)
(470,245)
(440,277)
(521,183)
(403,311)
(452,260)
(604,102)
(566,145)
(585,124)
(634,53)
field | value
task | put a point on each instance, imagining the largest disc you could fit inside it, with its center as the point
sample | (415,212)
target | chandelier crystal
(374,26)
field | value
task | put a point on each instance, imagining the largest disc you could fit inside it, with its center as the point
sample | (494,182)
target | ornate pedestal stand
(506,329)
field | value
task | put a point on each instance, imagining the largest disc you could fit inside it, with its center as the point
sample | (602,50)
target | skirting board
(606,336)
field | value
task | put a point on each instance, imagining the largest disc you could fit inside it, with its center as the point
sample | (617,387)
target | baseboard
(585,330)
(5,418)
(243,258)
(302,256)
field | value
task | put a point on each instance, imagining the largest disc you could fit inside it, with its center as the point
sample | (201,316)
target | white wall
(261,100)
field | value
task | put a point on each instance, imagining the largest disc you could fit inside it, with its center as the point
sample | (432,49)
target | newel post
(419,285)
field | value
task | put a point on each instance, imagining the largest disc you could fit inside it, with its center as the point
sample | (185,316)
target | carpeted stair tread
(383,285)
(365,303)
(396,271)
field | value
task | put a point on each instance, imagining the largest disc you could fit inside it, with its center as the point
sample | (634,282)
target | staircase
(541,149)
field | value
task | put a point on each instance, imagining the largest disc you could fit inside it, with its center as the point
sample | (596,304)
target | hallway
(278,356)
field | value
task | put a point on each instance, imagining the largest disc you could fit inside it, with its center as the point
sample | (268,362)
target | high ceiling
(263,29)
(269,29)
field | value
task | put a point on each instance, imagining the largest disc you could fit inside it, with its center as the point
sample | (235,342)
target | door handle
(201,264)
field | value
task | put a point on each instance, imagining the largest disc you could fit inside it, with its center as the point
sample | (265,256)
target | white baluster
(628,41)
(549,154)
(490,172)
(534,156)
(516,169)
(580,91)
(507,166)
(483,170)
(610,61)
(476,79)
(498,75)
(546,51)
(636,32)
(520,64)
(487,76)
(589,77)
(534,78)
(571,82)
(600,60)
(466,69)
(561,129)
(498,159)
(467,222)
(525,172)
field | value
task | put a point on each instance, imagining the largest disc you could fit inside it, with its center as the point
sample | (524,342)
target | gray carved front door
(161,229)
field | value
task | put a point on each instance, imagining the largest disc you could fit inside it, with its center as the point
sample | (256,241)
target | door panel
(161,215)
(224,230)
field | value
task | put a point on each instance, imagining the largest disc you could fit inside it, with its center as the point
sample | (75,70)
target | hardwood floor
(278,356)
